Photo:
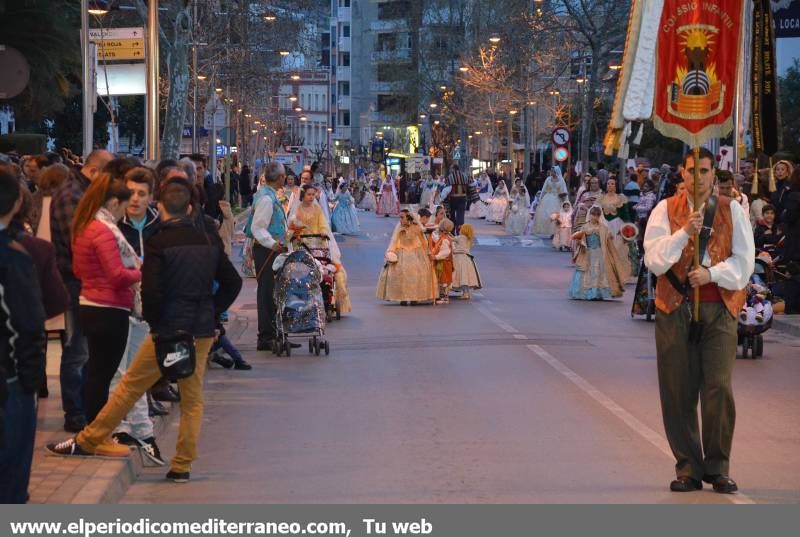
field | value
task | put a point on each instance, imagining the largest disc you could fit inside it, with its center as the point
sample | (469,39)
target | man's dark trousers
(74,355)
(263,259)
(458,205)
(688,372)
(16,443)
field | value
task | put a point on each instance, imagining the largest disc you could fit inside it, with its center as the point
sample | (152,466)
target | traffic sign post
(561,136)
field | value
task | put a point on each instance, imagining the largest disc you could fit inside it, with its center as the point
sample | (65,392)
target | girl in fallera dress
(562,227)
(596,276)
(465,272)
(441,249)
(408,274)
(369,202)
(344,218)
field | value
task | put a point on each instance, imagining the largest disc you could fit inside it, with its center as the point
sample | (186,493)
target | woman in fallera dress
(549,202)
(479,209)
(344,218)
(518,215)
(408,274)
(498,204)
(308,219)
(388,205)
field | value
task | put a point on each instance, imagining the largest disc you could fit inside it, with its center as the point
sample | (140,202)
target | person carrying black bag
(181,263)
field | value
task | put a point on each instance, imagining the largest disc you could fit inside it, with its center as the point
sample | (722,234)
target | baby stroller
(317,246)
(300,310)
(756,316)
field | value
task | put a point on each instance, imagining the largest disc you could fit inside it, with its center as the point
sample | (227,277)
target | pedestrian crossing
(480,240)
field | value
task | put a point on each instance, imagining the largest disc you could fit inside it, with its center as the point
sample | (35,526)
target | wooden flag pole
(696,202)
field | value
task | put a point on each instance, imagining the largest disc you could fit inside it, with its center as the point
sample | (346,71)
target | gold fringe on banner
(754,189)
(772,186)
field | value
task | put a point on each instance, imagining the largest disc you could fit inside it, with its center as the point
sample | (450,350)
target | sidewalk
(787,324)
(81,481)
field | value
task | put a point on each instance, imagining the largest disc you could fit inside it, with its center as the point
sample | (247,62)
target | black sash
(705,235)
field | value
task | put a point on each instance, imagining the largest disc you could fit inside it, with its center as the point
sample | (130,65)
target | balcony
(344,14)
(389,87)
(343,103)
(344,44)
(393,25)
(387,118)
(343,73)
(341,133)
(392,55)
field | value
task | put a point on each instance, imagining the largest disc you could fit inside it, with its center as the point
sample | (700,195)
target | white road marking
(654,438)
(497,320)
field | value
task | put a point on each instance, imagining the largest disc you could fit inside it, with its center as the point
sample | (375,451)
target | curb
(787,325)
(113,478)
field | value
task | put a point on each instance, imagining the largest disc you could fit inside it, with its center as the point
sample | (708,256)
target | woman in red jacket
(108,269)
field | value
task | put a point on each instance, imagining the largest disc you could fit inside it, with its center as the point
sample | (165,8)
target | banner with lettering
(763,83)
(698,56)
(787,17)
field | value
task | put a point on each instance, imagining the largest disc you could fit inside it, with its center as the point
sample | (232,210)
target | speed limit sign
(561,154)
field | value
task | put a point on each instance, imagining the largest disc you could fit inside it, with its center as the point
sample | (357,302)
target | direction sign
(120,49)
(118,43)
(561,136)
(561,154)
(100,34)
(215,116)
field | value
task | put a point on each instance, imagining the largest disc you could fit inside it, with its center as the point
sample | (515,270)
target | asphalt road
(518,396)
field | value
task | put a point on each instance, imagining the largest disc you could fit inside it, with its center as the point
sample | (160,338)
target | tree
(789,94)
(598,27)
(46,32)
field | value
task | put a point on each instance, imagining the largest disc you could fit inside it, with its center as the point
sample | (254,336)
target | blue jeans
(16,451)
(74,355)
(227,345)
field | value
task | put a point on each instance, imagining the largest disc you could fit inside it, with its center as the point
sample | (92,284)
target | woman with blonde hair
(465,271)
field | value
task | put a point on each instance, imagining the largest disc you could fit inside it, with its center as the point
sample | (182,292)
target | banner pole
(696,202)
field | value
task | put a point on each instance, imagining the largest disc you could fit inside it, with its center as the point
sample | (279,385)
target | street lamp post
(88,91)
(152,81)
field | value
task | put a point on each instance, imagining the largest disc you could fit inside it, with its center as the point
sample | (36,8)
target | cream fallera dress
(411,276)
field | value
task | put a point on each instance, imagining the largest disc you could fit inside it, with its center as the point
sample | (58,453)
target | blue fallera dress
(592,283)
(344,217)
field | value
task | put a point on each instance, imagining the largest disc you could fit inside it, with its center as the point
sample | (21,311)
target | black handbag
(175,355)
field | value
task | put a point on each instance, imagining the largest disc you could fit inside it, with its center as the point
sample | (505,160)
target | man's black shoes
(242,365)
(222,360)
(264,345)
(685,484)
(721,484)
(177,477)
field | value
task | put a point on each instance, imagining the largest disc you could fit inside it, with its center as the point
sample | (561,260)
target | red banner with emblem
(697,61)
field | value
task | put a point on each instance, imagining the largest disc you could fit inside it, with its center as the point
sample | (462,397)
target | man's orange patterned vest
(719,249)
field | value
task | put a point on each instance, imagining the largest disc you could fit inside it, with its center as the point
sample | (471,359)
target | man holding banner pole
(696,314)
(700,246)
